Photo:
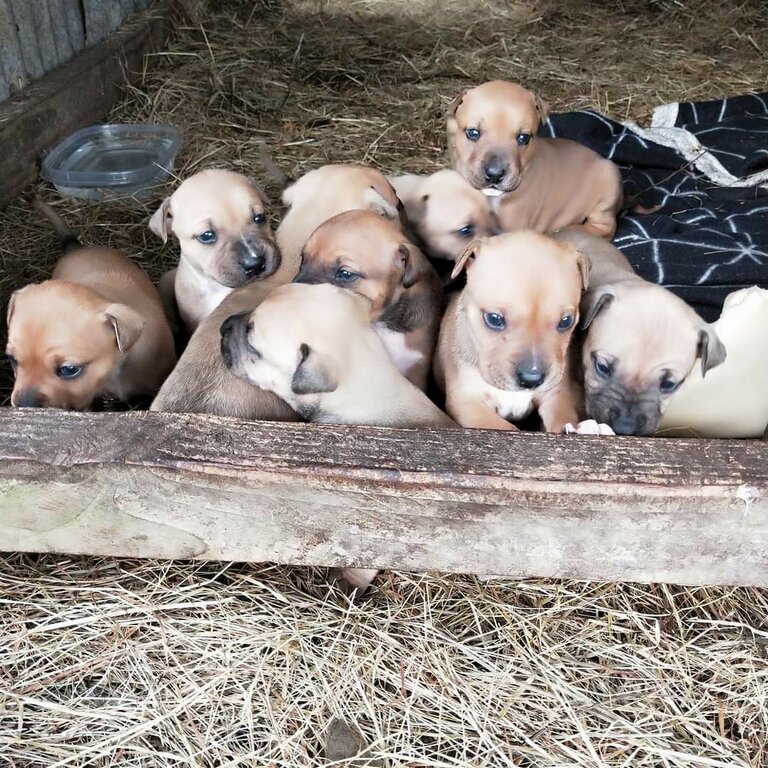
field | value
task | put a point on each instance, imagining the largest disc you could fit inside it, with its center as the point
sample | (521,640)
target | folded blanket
(706,165)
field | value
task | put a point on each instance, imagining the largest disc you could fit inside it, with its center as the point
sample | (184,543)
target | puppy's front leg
(476,414)
(561,407)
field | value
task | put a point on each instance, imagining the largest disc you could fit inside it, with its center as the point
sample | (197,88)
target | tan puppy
(641,341)
(97,328)
(535,183)
(445,212)
(221,223)
(313,346)
(504,341)
(201,383)
(322,194)
(368,254)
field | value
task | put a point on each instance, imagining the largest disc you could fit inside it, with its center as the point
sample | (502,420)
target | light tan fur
(100,312)
(547,184)
(233,208)
(402,286)
(445,212)
(201,383)
(533,283)
(322,194)
(641,333)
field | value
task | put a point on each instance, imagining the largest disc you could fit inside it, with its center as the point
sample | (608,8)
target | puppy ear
(312,376)
(584,265)
(160,223)
(461,263)
(541,107)
(454,105)
(710,349)
(12,303)
(376,202)
(410,270)
(595,303)
(126,323)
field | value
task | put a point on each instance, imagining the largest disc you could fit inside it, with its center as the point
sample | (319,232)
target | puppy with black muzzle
(504,346)
(533,182)
(367,254)
(221,222)
(641,341)
(444,212)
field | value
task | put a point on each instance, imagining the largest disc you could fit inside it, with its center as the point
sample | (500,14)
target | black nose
(253,262)
(530,376)
(494,172)
(626,421)
(30,398)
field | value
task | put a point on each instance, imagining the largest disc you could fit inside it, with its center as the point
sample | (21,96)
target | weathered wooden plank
(75,24)
(114,11)
(43,32)
(60,31)
(162,485)
(72,96)
(96,21)
(10,50)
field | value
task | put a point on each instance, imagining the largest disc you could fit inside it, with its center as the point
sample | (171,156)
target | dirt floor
(156,664)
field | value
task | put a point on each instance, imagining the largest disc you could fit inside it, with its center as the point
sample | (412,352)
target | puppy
(314,347)
(535,183)
(220,220)
(641,341)
(96,329)
(368,254)
(504,340)
(324,193)
(444,212)
(201,383)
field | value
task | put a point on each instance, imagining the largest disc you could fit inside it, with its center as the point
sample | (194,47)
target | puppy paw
(588,427)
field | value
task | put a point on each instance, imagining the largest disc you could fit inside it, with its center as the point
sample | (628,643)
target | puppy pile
(342,316)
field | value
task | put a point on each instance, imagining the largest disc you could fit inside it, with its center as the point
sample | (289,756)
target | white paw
(588,427)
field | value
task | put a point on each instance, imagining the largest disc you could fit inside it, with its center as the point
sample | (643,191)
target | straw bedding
(168,664)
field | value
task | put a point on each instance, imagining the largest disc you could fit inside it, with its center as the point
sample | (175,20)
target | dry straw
(131,663)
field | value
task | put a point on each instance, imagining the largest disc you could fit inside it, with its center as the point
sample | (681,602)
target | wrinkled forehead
(369,237)
(498,112)
(224,204)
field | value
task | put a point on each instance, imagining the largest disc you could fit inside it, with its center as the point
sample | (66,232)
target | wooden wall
(37,36)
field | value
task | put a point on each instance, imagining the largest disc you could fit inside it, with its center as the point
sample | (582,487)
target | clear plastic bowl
(105,161)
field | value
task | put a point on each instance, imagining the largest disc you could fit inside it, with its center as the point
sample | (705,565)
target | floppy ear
(126,323)
(12,303)
(411,272)
(451,123)
(468,254)
(454,105)
(710,349)
(592,305)
(377,203)
(160,223)
(541,107)
(312,376)
(584,265)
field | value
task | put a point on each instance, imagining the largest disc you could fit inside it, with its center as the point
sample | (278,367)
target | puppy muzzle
(29,398)
(632,418)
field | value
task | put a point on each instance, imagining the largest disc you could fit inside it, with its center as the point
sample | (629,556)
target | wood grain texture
(72,96)
(183,486)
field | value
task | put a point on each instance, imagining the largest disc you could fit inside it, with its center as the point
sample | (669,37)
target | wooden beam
(72,96)
(190,486)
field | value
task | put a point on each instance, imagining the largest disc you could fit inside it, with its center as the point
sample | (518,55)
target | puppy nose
(30,398)
(253,262)
(494,172)
(626,421)
(530,376)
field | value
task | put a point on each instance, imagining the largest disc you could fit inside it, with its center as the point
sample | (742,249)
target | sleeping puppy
(201,383)
(324,193)
(96,329)
(220,220)
(313,346)
(368,254)
(504,341)
(534,182)
(444,212)
(641,341)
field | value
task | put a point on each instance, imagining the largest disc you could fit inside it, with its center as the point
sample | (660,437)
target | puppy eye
(207,238)
(566,321)
(69,371)
(473,134)
(466,231)
(669,385)
(495,321)
(12,361)
(603,369)
(259,218)
(345,275)
(523,138)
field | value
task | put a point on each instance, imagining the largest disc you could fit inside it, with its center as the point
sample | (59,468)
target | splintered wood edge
(467,501)
(73,96)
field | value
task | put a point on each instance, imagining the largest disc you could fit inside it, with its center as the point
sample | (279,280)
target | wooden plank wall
(37,36)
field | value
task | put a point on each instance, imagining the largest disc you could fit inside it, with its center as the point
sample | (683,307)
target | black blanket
(704,163)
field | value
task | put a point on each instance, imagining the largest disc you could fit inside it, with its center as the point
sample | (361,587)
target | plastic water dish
(106,161)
